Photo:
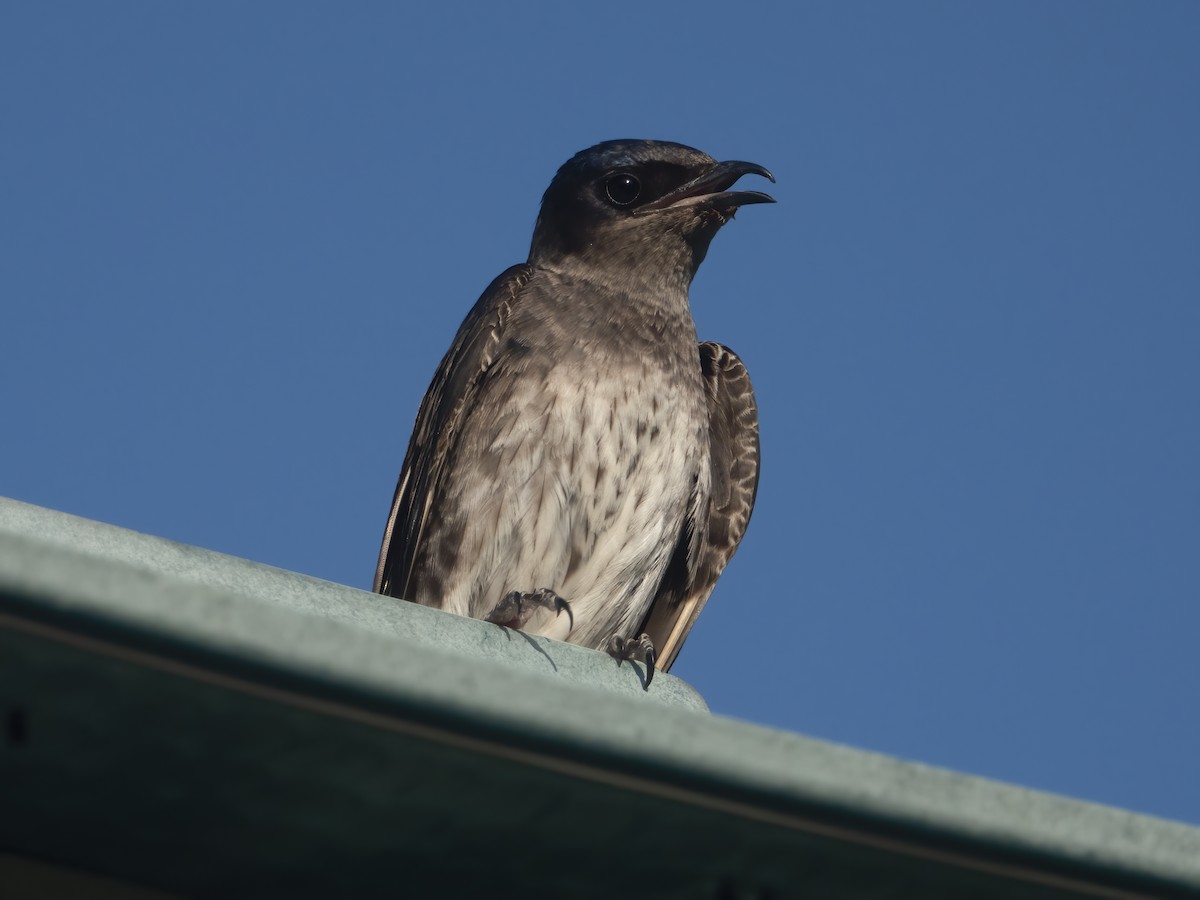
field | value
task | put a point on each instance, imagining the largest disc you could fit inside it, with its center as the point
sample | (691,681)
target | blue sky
(237,239)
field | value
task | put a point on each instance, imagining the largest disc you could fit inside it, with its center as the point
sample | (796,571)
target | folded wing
(708,542)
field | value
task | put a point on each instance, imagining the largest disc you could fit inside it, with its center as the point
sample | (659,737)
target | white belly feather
(594,486)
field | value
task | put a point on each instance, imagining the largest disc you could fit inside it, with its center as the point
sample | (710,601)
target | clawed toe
(641,648)
(516,609)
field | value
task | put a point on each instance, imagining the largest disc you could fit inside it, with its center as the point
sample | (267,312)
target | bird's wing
(708,542)
(454,387)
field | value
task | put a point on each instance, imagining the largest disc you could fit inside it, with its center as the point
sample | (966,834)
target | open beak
(712,189)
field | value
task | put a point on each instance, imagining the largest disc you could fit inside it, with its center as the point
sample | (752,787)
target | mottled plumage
(576,436)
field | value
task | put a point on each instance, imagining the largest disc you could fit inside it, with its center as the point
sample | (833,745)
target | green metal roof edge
(544,702)
(239,601)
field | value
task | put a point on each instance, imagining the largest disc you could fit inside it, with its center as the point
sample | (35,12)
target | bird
(582,466)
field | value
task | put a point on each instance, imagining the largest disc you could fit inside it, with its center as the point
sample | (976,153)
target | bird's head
(638,209)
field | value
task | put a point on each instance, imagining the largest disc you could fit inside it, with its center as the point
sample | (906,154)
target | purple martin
(581,467)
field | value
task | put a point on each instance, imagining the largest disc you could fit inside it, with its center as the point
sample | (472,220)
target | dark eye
(622,188)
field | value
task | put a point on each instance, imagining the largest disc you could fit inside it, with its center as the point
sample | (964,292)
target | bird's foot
(641,648)
(517,608)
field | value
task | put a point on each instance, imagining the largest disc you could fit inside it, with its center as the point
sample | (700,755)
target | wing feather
(707,543)
(454,387)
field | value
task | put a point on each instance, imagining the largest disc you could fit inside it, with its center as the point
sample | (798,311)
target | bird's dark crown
(599,191)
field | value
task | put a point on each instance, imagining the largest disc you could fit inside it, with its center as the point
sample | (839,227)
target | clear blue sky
(235,240)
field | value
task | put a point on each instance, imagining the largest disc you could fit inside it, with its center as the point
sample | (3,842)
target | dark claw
(562,606)
(516,608)
(616,649)
(634,648)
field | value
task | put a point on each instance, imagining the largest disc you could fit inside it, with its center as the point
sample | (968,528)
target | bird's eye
(623,188)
